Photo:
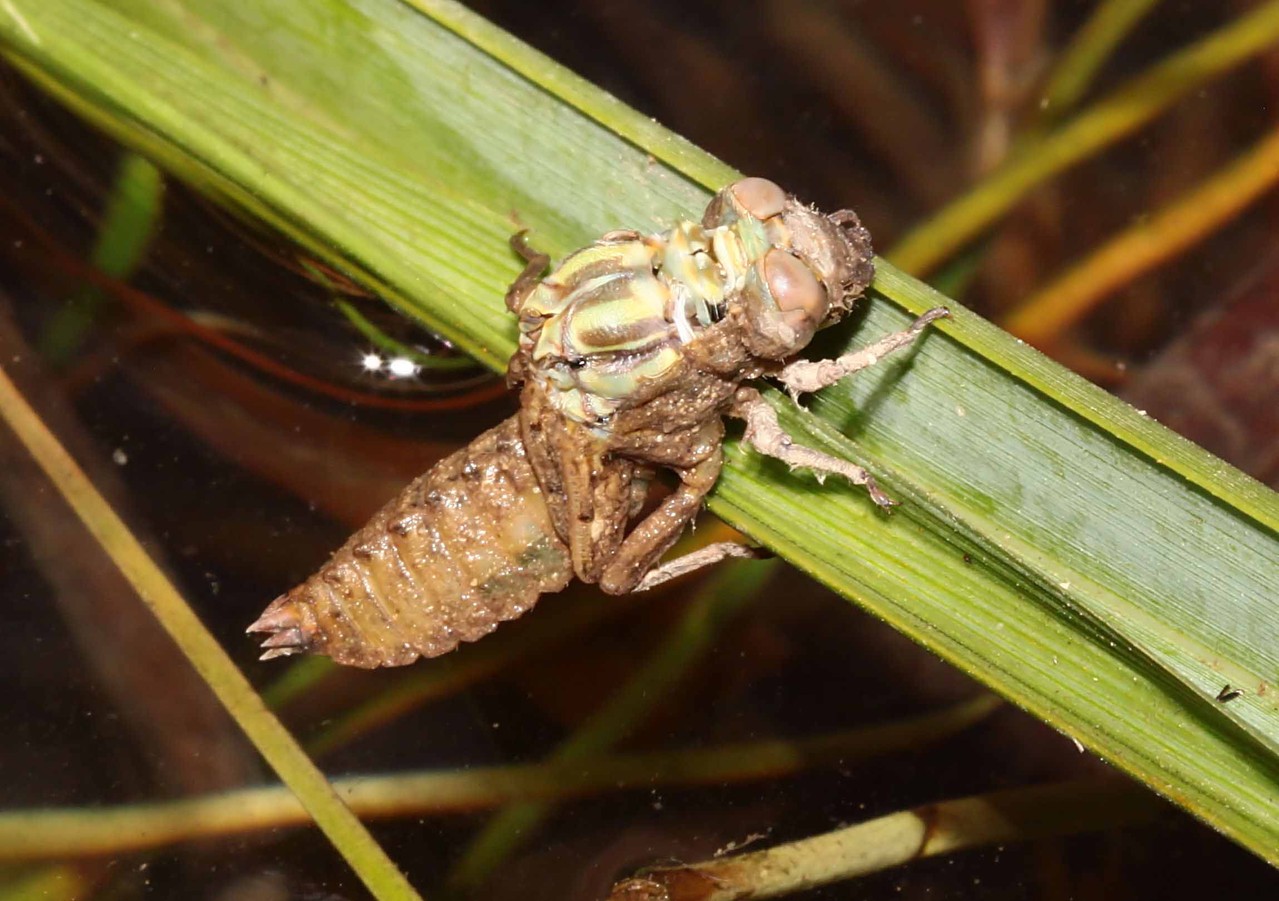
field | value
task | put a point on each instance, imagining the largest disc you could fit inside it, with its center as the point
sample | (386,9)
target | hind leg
(694,560)
(636,558)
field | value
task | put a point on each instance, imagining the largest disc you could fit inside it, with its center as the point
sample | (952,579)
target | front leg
(765,434)
(807,376)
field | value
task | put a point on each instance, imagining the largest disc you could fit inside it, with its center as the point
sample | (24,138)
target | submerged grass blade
(1088,50)
(130,219)
(1098,570)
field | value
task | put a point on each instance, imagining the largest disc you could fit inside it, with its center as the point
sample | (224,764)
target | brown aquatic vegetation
(632,351)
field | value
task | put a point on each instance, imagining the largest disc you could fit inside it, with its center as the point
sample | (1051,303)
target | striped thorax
(613,320)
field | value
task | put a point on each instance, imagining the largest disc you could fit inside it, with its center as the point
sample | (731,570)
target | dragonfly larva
(632,351)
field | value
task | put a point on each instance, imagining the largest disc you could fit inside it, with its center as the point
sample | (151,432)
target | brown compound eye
(760,197)
(796,291)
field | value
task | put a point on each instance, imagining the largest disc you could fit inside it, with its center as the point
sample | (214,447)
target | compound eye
(795,290)
(760,197)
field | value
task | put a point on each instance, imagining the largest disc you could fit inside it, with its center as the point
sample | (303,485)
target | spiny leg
(765,434)
(579,496)
(589,495)
(705,556)
(654,534)
(596,515)
(531,277)
(806,376)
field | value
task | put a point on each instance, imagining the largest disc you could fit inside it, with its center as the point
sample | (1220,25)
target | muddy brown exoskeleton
(632,351)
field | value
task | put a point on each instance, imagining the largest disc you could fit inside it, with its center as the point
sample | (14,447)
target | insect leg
(589,496)
(712,553)
(583,521)
(806,376)
(654,535)
(765,434)
(531,277)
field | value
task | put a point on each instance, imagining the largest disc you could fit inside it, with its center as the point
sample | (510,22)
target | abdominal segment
(462,548)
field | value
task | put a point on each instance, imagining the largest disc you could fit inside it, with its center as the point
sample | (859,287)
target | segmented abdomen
(462,548)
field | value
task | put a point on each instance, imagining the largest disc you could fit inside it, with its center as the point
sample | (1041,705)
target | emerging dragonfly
(632,351)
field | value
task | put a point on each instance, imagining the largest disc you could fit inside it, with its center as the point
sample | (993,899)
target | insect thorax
(614,319)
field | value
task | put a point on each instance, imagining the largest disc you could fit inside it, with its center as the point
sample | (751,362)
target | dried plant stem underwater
(889,841)
(44,834)
(1195,215)
(1114,117)
(364,855)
